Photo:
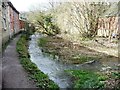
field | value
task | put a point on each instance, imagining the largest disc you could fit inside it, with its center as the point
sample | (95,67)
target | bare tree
(86,16)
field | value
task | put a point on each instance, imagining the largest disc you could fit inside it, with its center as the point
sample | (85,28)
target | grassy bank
(88,79)
(42,80)
(67,51)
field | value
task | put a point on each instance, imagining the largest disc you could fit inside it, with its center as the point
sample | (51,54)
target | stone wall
(10,21)
(0,26)
(5,24)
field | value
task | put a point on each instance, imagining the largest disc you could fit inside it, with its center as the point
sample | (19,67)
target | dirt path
(13,74)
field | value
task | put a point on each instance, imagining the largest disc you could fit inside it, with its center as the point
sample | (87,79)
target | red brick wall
(109,24)
(11,19)
(22,24)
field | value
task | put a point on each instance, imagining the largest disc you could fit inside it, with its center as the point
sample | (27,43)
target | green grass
(41,79)
(48,46)
(87,79)
(116,75)
(82,58)
(42,42)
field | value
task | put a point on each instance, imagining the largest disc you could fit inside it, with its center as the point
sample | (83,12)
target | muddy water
(55,69)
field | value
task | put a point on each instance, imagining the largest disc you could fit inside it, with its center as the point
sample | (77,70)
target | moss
(65,50)
(41,79)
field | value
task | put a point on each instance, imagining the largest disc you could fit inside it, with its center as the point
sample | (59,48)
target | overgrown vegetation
(88,79)
(42,42)
(39,77)
(47,24)
(79,21)
(84,79)
(82,58)
(66,50)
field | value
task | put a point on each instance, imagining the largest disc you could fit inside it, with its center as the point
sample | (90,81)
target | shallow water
(52,68)
(55,69)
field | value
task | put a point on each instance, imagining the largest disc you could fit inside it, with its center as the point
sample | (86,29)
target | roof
(11,5)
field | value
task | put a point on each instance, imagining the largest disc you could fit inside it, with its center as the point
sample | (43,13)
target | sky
(26,5)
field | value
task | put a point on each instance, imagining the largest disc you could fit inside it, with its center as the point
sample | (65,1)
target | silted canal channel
(53,68)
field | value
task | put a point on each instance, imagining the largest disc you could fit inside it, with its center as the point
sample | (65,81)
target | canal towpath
(13,74)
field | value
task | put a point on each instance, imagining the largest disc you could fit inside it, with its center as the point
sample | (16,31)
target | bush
(50,28)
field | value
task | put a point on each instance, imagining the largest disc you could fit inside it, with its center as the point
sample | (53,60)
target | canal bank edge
(41,80)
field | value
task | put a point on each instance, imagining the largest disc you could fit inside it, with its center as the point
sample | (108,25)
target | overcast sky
(26,5)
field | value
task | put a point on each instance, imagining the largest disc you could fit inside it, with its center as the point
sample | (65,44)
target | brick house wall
(14,19)
(108,26)
(5,29)
(10,20)
(108,22)
(22,24)
(16,22)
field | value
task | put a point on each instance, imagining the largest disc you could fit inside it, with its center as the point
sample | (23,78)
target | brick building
(22,20)
(5,31)
(10,20)
(13,17)
(22,24)
(108,23)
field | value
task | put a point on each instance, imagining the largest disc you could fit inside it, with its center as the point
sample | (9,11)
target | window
(4,22)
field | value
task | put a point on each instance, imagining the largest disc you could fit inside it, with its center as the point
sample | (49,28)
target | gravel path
(13,74)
